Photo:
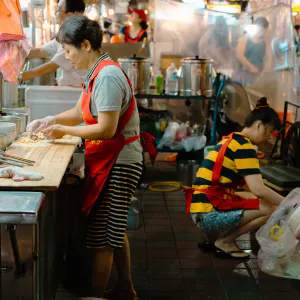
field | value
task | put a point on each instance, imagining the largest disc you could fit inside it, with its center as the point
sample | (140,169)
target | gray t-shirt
(112,92)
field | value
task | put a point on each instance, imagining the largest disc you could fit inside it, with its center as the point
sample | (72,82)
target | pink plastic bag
(12,58)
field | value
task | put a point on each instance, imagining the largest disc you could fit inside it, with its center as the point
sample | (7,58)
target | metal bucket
(12,119)
(23,115)
(187,170)
(195,76)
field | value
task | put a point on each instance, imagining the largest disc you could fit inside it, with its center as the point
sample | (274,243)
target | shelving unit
(214,100)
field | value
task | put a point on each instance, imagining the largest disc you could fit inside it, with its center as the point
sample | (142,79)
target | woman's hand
(54,132)
(40,124)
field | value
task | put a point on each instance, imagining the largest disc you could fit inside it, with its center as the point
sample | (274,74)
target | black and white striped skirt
(108,220)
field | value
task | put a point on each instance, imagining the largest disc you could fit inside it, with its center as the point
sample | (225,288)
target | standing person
(213,202)
(66,74)
(253,53)
(113,153)
(107,34)
(137,31)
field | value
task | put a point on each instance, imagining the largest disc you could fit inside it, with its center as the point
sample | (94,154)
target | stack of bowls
(12,119)
(10,130)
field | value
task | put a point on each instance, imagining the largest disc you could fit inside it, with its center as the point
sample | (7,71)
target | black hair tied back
(264,113)
(262,102)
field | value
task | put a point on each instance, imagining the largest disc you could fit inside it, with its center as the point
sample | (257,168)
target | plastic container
(133,221)
(159,81)
(43,101)
(171,80)
(10,130)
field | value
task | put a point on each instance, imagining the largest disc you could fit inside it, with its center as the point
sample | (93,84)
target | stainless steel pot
(22,114)
(12,119)
(138,71)
(195,76)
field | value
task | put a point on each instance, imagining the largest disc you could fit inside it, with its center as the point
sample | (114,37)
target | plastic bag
(12,58)
(169,136)
(280,250)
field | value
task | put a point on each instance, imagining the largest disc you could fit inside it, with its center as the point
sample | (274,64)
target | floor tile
(174,209)
(229,263)
(188,228)
(271,295)
(156,215)
(240,285)
(186,253)
(158,229)
(208,295)
(243,296)
(169,296)
(160,236)
(166,274)
(234,274)
(156,208)
(167,285)
(157,221)
(274,285)
(161,244)
(200,273)
(162,252)
(173,202)
(187,236)
(187,263)
(194,285)
(187,245)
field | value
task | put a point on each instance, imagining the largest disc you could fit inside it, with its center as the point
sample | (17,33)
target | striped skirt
(108,220)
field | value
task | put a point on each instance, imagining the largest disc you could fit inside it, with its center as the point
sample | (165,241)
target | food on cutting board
(37,138)
(19,174)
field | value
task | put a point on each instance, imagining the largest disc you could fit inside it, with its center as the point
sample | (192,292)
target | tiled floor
(167,264)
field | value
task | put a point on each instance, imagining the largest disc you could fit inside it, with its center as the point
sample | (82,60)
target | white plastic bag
(280,253)
(169,136)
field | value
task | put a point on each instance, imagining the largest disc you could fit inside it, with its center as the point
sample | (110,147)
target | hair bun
(262,102)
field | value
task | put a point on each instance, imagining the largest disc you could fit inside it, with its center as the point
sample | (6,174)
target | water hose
(174,186)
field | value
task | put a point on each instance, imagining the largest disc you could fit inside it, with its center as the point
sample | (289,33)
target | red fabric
(100,156)
(130,40)
(222,196)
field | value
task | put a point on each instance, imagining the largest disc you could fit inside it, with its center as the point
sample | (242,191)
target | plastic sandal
(219,253)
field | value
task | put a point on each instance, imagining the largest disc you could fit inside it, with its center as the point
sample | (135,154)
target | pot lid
(196,59)
(134,58)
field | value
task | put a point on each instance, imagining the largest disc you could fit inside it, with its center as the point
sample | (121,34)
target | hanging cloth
(10,20)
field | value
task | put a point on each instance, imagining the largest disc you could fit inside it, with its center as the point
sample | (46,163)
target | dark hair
(144,25)
(75,6)
(262,22)
(297,27)
(107,24)
(264,113)
(76,29)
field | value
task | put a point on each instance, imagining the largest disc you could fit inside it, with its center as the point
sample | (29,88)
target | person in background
(214,203)
(137,31)
(66,73)
(253,53)
(297,38)
(107,34)
(113,152)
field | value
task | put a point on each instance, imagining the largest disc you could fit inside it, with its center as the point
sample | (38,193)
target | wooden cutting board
(51,161)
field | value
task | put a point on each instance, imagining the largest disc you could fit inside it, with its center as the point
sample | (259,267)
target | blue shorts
(218,221)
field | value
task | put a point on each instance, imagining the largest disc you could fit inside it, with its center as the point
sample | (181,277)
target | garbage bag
(279,254)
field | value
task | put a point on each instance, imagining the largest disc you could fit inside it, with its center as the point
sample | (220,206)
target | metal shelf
(177,97)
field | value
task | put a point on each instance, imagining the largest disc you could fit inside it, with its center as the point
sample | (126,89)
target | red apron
(130,40)
(101,155)
(222,196)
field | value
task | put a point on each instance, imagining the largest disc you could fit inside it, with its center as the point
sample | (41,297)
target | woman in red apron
(113,153)
(137,31)
(215,206)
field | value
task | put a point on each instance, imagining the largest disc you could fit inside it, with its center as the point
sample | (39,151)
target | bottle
(171,80)
(159,80)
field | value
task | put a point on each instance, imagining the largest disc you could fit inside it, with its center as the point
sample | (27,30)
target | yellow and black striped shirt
(240,160)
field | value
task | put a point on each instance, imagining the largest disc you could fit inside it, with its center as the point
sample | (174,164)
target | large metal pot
(195,76)
(22,114)
(138,71)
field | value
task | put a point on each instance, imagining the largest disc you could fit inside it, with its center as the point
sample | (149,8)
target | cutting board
(51,161)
